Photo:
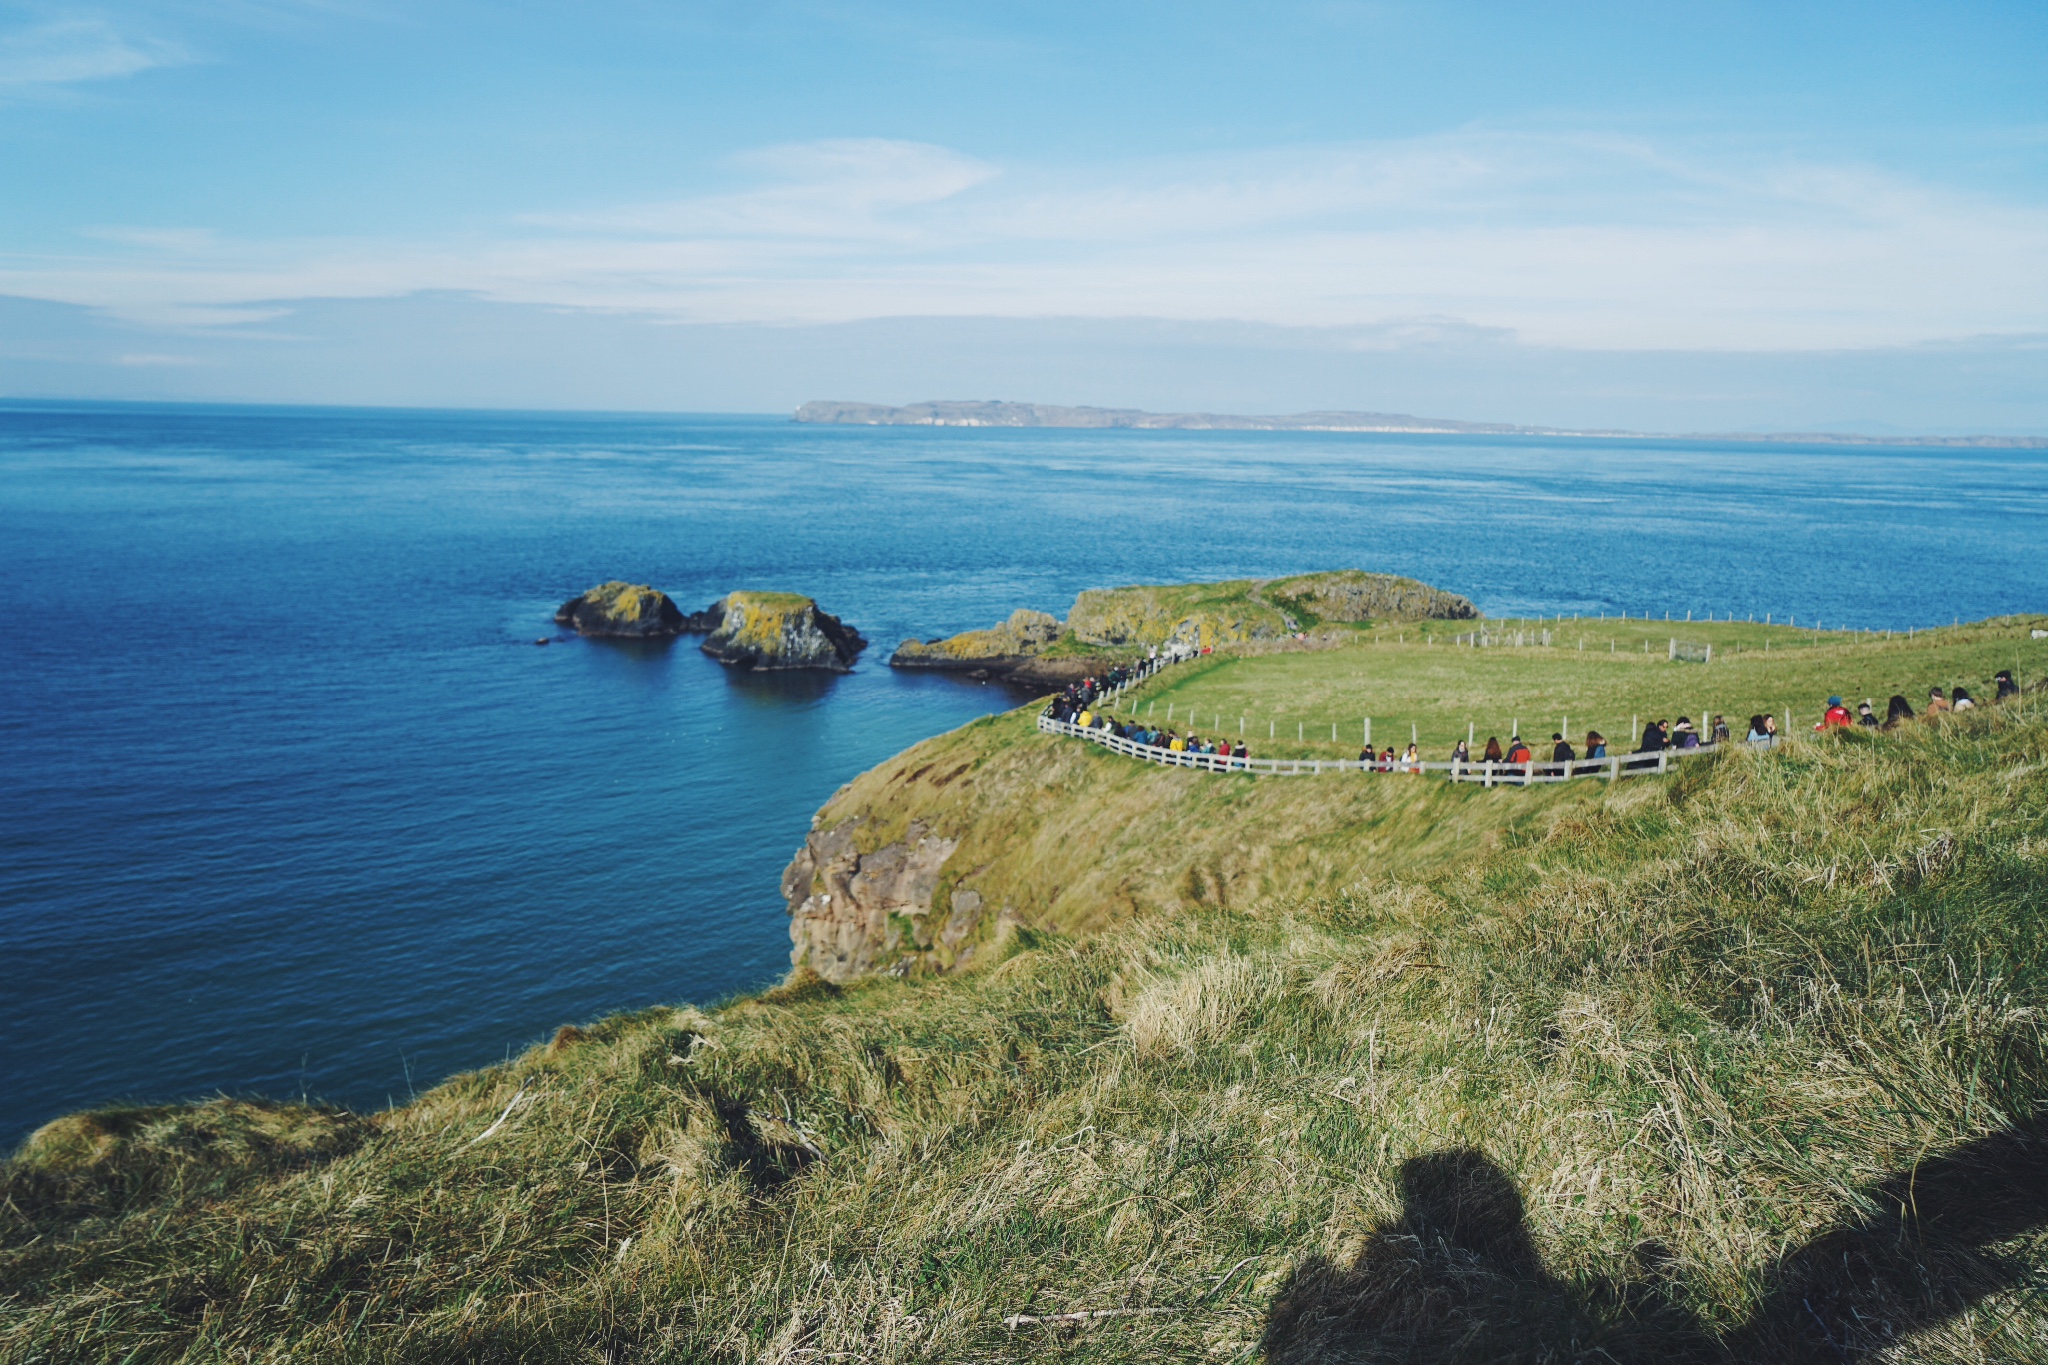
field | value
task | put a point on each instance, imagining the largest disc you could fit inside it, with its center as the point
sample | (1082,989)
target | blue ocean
(291,804)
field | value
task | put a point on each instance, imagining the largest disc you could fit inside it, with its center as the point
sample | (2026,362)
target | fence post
(1368,732)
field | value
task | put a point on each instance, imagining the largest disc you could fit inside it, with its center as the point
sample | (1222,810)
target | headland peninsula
(1747,1061)
(998,413)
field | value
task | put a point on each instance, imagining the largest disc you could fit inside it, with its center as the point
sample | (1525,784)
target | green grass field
(1606,675)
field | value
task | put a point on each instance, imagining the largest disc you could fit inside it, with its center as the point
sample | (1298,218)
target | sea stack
(622,610)
(777,630)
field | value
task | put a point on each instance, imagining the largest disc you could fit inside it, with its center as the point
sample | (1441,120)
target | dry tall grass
(1746,1064)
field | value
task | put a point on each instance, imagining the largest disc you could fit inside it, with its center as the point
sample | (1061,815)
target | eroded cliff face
(852,913)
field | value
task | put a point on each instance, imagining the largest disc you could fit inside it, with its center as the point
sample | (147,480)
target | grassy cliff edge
(1746,1063)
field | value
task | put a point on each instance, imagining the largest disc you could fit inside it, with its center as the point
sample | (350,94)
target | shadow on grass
(1457,1277)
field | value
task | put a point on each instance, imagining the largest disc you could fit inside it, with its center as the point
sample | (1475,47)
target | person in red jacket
(1837,717)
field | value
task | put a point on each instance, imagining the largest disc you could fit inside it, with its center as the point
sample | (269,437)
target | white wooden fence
(1613,767)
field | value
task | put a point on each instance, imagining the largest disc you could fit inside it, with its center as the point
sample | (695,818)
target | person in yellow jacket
(1179,745)
(1085,719)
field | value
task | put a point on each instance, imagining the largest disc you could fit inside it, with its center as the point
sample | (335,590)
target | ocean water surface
(290,803)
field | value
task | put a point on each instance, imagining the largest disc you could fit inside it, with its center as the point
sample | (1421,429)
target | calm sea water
(290,803)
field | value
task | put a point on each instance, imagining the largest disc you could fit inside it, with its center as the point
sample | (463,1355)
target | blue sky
(1732,215)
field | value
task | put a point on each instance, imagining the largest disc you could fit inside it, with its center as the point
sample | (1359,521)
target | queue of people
(1516,762)
(1077,705)
(1898,710)
(1081,697)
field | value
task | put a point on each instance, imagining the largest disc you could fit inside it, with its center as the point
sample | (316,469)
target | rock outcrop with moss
(1352,595)
(1001,649)
(774,630)
(628,611)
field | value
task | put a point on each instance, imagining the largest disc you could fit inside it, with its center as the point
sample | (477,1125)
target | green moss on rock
(778,630)
(1025,635)
(629,610)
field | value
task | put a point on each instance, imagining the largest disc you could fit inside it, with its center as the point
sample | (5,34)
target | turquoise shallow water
(291,804)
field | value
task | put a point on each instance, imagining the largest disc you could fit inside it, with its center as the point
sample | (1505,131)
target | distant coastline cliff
(998,414)
(969,413)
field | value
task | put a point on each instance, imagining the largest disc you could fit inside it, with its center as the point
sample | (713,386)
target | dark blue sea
(290,803)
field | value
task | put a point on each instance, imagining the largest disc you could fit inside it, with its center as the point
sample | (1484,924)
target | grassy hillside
(1072,837)
(1412,679)
(1740,1064)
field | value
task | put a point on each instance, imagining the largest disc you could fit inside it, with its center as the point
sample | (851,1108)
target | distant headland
(973,413)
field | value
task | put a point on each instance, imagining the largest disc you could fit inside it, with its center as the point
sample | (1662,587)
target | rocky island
(630,611)
(1105,624)
(749,630)
(778,630)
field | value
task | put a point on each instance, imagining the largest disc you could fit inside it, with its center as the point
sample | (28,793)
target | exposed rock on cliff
(850,913)
(628,610)
(770,630)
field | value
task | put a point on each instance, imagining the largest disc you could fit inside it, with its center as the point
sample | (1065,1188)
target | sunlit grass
(1414,682)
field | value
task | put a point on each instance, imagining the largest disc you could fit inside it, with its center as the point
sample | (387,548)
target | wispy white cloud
(843,189)
(1588,240)
(155,360)
(67,51)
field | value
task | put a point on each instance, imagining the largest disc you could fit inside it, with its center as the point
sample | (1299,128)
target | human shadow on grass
(1457,1278)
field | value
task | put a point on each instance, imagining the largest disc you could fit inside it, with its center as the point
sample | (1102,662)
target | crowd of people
(1898,710)
(1079,705)
(1514,761)
(1083,695)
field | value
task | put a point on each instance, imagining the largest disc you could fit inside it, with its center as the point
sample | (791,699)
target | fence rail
(1614,767)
